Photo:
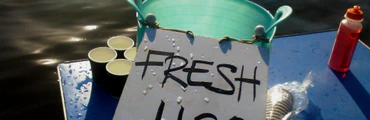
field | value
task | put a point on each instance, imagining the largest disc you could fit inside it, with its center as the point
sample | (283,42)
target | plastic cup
(120,44)
(130,54)
(98,58)
(118,71)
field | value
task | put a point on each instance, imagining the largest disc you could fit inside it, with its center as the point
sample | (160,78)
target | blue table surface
(333,96)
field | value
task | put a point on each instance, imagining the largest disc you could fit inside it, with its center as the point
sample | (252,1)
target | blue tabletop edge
(274,80)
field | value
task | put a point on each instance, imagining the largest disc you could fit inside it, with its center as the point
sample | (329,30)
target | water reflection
(75,39)
(47,61)
(131,29)
(36,35)
(90,27)
(38,51)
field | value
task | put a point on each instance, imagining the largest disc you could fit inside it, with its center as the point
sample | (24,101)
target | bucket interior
(210,18)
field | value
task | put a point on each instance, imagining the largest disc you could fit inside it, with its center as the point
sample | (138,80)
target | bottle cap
(355,13)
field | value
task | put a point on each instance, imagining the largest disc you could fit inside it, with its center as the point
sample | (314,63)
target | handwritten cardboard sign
(178,77)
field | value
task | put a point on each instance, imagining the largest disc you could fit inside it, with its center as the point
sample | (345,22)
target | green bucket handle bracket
(136,8)
(281,14)
(141,17)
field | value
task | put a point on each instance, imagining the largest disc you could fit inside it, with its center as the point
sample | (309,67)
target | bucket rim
(263,10)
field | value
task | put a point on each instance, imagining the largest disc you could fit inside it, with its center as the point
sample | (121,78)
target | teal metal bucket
(211,18)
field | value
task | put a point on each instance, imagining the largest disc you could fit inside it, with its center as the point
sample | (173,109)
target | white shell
(145,92)
(206,99)
(179,99)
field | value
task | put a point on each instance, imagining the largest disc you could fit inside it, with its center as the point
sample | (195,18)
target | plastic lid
(355,13)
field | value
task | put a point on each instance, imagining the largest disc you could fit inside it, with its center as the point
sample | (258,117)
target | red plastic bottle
(346,40)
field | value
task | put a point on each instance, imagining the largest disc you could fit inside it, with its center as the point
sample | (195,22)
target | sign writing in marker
(176,77)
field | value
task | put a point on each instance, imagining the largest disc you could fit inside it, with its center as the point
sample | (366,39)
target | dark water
(36,35)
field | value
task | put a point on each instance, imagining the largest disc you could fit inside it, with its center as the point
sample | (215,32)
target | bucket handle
(281,14)
(136,8)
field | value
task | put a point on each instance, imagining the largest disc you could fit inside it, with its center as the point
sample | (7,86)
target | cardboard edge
(61,93)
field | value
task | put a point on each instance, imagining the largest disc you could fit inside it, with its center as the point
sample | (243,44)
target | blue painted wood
(84,100)
(291,58)
(333,98)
